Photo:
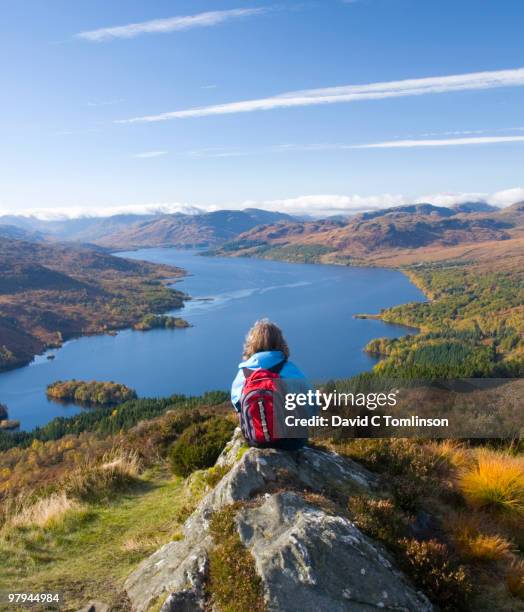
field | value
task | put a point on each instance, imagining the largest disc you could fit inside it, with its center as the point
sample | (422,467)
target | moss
(215,474)
(157,604)
(233,584)
(241,452)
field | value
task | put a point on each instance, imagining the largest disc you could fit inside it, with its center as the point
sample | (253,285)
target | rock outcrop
(308,556)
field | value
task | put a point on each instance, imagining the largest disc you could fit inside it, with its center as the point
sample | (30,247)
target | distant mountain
(410,209)
(134,231)
(408,226)
(204,230)
(18,233)
(518,207)
(474,207)
(401,228)
(83,229)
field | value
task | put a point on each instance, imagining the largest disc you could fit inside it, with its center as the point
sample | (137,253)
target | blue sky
(98,98)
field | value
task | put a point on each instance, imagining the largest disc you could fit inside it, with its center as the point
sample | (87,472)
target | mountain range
(383,234)
(131,231)
(410,226)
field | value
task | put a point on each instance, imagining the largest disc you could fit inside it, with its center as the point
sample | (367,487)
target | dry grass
(142,544)
(451,452)
(93,480)
(45,513)
(488,547)
(495,482)
(475,539)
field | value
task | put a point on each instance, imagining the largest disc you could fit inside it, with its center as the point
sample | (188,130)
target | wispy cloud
(472,132)
(440,142)
(171,24)
(149,154)
(352,93)
(224,152)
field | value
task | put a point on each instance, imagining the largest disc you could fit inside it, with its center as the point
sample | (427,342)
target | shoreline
(171,280)
(112,331)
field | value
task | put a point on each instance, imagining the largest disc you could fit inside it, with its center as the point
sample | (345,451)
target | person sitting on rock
(264,378)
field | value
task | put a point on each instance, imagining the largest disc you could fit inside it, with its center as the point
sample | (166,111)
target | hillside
(368,235)
(207,229)
(82,229)
(19,233)
(53,292)
(143,230)
(125,508)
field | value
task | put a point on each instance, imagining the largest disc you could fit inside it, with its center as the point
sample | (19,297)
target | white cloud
(335,204)
(79,212)
(150,154)
(329,204)
(507,197)
(316,205)
(172,24)
(440,142)
(352,93)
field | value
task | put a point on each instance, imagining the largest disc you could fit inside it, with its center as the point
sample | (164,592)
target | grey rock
(305,556)
(311,561)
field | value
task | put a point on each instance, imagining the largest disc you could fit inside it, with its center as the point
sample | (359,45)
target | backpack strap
(247,373)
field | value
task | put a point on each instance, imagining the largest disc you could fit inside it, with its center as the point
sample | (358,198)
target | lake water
(314,305)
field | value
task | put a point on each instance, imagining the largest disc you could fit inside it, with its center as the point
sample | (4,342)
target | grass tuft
(98,480)
(495,482)
(474,543)
(48,512)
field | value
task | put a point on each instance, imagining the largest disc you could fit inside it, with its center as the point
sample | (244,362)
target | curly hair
(265,336)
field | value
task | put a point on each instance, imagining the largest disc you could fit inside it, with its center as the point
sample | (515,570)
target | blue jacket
(264,360)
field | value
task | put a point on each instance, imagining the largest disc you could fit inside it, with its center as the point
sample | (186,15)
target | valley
(86,473)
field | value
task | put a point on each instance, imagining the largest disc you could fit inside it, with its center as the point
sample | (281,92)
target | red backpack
(259,403)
